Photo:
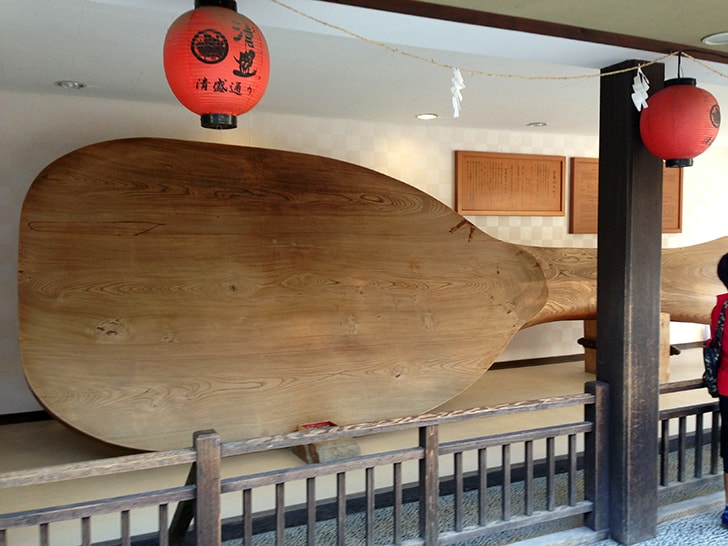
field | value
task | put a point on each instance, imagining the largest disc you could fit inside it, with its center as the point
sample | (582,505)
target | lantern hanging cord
(414,56)
(679,64)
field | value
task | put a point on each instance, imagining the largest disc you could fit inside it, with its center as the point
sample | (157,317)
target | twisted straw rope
(491,74)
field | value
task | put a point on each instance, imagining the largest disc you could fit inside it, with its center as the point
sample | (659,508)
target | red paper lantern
(216,62)
(680,122)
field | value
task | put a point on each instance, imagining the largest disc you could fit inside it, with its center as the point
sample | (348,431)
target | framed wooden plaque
(584,197)
(672,200)
(509,184)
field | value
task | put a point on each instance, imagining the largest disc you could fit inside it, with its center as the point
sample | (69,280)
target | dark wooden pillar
(628,303)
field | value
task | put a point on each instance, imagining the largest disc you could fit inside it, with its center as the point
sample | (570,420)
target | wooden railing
(462,478)
(690,436)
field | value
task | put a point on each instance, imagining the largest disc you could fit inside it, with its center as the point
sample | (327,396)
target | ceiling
(338,60)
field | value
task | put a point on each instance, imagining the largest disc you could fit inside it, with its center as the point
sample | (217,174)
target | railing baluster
(163,524)
(341,509)
(506,489)
(247,517)
(550,473)
(86,531)
(665,452)
(698,470)
(458,496)
(126,528)
(45,534)
(681,448)
(482,486)
(528,486)
(572,470)
(311,511)
(714,442)
(397,502)
(369,518)
(280,513)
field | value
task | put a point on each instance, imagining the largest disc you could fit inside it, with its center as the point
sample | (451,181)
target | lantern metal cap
(673,163)
(218,121)
(681,81)
(230,4)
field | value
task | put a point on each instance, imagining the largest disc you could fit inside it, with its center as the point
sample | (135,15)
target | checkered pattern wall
(423,156)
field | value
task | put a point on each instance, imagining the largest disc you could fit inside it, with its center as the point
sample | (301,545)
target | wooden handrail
(390,425)
(100,467)
(680,386)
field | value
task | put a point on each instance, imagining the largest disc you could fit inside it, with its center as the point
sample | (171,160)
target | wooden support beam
(183,514)
(628,302)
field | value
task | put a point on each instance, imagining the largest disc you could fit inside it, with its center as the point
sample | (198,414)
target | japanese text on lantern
(509,184)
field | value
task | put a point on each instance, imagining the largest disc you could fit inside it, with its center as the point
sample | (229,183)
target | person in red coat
(722,378)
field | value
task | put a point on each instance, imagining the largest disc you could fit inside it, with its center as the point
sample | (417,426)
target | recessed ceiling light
(719,38)
(70,84)
(537,124)
(426,116)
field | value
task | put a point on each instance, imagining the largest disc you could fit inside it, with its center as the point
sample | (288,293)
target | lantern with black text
(216,62)
(680,122)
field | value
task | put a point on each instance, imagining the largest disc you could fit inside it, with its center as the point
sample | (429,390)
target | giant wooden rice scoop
(169,286)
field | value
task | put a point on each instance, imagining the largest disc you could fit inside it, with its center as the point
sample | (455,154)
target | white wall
(38,129)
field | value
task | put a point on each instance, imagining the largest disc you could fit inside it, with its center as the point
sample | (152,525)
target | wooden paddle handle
(689,282)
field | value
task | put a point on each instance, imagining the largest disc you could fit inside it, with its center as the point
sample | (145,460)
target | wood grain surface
(171,286)
(689,282)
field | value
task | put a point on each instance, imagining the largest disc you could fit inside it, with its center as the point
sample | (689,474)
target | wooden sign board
(672,192)
(509,184)
(584,197)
